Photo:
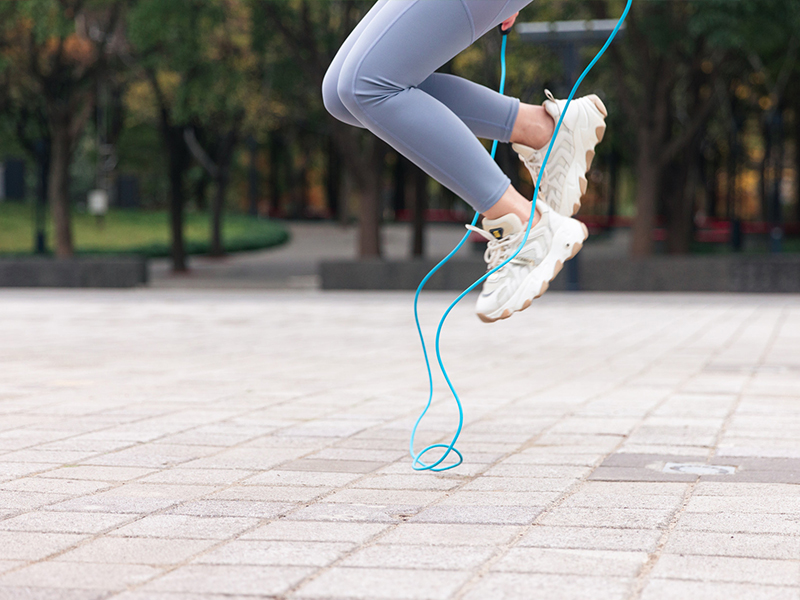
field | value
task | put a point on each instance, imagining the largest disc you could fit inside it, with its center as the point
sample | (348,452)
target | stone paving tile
(11,470)
(14,500)
(588,538)
(377,584)
(112,504)
(469,498)
(623,501)
(451,534)
(30,593)
(63,522)
(197,476)
(7,565)
(635,488)
(185,526)
(276,553)
(34,546)
(760,490)
(499,515)
(61,487)
(229,508)
(99,473)
(519,586)
(332,466)
(446,558)
(268,493)
(786,524)
(403,497)
(133,595)
(783,547)
(517,484)
(571,562)
(618,518)
(729,569)
(303,479)
(665,589)
(231,580)
(354,513)
(315,531)
(79,576)
(538,471)
(544,456)
(745,504)
(135,551)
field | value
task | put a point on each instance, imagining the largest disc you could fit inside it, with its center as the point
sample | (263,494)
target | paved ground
(159,445)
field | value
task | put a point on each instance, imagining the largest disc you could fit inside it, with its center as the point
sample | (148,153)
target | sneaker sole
(597,125)
(507,310)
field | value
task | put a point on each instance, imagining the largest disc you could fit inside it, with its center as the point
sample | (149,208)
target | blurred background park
(199,124)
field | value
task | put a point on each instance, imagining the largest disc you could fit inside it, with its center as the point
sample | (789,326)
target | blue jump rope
(450,448)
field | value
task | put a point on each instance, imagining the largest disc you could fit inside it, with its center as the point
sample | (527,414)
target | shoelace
(498,250)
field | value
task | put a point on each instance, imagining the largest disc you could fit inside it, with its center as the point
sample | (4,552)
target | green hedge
(144,233)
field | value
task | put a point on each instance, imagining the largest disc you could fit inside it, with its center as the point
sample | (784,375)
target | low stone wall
(734,273)
(122,272)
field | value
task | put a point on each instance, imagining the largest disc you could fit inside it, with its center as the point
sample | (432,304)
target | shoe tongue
(552,109)
(504,226)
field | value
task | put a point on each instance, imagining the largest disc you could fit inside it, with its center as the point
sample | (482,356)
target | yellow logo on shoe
(498,233)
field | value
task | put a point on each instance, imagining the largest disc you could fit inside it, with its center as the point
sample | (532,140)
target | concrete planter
(747,274)
(121,272)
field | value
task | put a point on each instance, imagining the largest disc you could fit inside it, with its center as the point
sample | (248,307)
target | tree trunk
(223,179)
(648,184)
(419,204)
(334,180)
(365,170)
(217,209)
(178,160)
(58,187)
(369,229)
(680,227)
(763,182)
(176,203)
(797,159)
(276,151)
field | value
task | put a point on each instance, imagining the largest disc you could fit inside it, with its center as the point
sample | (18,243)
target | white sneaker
(564,182)
(553,241)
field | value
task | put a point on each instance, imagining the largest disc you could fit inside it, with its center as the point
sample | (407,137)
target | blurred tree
(311,32)
(51,53)
(661,61)
(166,38)
(207,86)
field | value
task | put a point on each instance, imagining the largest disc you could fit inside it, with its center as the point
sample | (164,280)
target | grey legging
(383,79)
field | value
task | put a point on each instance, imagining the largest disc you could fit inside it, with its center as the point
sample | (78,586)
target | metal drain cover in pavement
(698,469)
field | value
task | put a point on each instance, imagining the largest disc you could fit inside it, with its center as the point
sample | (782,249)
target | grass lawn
(137,232)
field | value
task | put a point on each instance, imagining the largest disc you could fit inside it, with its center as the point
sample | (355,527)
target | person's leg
(396,52)
(488,114)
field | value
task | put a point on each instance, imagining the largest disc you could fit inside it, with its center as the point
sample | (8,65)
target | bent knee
(330,97)
(361,88)
(347,89)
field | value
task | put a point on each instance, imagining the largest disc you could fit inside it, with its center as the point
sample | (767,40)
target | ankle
(534,127)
